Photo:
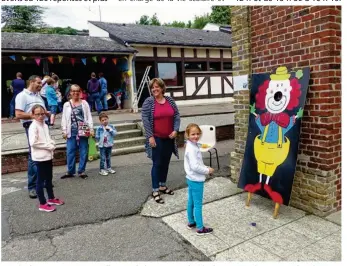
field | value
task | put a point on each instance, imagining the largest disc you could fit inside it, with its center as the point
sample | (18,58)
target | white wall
(144,51)
(95,31)
(211,27)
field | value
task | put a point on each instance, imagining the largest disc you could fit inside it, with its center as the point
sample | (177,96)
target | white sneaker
(103,172)
(111,171)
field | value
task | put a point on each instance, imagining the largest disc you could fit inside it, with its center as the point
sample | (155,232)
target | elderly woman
(75,111)
(161,121)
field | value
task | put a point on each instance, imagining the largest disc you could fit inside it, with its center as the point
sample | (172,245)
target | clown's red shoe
(252,188)
(275,196)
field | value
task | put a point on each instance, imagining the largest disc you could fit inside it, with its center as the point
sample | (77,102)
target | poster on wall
(276,107)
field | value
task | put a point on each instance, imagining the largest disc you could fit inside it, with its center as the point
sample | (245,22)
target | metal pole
(100,12)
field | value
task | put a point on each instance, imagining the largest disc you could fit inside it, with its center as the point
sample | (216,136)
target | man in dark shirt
(17,86)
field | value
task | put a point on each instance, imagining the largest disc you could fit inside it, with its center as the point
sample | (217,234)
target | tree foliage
(220,15)
(146,20)
(29,19)
(200,21)
(176,24)
(22,18)
(59,30)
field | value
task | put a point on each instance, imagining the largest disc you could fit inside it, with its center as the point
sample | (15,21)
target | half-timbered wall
(196,73)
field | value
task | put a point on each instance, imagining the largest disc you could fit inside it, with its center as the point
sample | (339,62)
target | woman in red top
(161,121)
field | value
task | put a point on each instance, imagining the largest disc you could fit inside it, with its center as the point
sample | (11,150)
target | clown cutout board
(276,107)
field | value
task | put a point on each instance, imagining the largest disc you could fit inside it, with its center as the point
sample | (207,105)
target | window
(215,66)
(170,73)
(195,66)
(228,66)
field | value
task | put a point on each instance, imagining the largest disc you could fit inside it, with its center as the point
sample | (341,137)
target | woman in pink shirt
(161,121)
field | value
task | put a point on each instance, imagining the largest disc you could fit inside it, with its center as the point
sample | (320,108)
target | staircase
(129,139)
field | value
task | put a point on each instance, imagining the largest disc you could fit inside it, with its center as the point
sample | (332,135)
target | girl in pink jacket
(42,148)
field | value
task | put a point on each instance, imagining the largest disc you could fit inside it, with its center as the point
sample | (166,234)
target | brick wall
(241,66)
(19,162)
(300,36)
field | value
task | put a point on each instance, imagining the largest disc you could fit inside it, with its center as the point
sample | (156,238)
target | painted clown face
(277,96)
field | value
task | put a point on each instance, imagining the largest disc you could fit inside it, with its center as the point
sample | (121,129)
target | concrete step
(120,127)
(128,142)
(126,134)
(127,150)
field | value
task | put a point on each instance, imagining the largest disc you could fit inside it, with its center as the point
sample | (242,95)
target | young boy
(105,135)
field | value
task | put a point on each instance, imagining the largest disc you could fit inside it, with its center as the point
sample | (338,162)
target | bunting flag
(114,61)
(103,59)
(60,58)
(24,57)
(38,60)
(13,57)
(84,60)
(50,59)
(73,61)
(95,59)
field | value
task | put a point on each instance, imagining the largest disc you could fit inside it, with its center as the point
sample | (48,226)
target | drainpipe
(135,100)
(134,76)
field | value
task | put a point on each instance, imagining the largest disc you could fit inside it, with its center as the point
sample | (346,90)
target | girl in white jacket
(42,148)
(195,174)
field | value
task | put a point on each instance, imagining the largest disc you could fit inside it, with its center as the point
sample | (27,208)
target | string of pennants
(60,58)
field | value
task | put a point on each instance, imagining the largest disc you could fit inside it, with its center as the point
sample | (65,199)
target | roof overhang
(64,52)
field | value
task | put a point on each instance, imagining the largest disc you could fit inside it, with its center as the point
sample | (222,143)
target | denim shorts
(53,109)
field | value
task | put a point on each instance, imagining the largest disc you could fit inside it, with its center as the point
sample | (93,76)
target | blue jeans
(60,107)
(45,100)
(103,98)
(96,99)
(194,205)
(71,147)
(13,104)
(32,170)
(161,156)
(105,157)
(44,179)
(53,109)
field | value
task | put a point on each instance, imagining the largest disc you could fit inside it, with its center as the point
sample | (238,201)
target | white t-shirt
(26,100)
(44,87)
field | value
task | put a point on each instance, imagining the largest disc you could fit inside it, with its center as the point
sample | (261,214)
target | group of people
(161,120)
(31,109)
(95,93)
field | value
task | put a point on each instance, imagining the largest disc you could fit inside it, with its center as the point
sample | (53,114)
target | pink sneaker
(46,208)
(55,202)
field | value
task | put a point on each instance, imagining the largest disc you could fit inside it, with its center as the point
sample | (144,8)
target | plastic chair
(209,139)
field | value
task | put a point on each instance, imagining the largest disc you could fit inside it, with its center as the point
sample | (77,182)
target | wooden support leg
(249,196)
(277,208)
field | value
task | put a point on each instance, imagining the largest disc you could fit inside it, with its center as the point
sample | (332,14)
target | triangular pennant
(24,57)
(72,61)
(103,59)
(84,60)
(38,60)
(60,58)
(94,59)
(13,57)
(114,61)
(50,59)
